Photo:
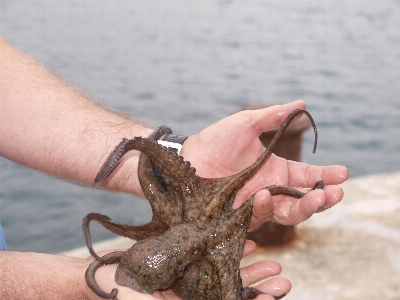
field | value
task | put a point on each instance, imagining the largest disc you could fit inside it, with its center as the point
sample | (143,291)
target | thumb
(263,209)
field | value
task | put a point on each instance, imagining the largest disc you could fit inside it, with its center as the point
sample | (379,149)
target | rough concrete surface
(351,251)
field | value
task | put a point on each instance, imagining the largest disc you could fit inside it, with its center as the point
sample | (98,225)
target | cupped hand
(233,144)
(273,287)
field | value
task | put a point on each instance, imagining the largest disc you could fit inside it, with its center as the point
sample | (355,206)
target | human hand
(232,144)
(274,287)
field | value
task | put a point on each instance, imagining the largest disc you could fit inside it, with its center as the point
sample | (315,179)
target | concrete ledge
(351,251)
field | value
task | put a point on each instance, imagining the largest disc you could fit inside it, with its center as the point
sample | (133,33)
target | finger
(263,209)
(258,271)
(305,175)
(249,247)
(334,194)
(276,287)
(272,117)
(293,211)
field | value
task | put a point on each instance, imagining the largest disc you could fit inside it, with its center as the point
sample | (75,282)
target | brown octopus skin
(195,239)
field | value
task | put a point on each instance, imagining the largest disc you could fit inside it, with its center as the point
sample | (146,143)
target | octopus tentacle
(237,181)
(153,228)
(232,219)
(250,293)
(107,259)
(319,185)
(112,162)
(284,190)
(157,191)
(86,232)
(231,230)
(292,192)
(159,132)
(240,178)
(114,158)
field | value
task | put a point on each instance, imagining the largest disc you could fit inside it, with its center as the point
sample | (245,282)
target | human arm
(27,275)
(50,126)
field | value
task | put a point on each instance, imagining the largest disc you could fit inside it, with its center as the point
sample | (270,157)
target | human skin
(50,126)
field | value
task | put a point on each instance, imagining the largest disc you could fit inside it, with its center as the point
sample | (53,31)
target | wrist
(125,176)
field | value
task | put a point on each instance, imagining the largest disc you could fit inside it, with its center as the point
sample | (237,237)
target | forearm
(26,275)
(48,125)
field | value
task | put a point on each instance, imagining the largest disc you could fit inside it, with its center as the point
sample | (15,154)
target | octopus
(195,239)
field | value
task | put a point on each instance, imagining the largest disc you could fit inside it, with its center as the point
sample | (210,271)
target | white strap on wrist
(173,142)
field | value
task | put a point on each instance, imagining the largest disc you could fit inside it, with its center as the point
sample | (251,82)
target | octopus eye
(195,252)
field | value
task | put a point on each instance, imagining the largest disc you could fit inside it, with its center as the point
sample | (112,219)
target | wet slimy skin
(194,242)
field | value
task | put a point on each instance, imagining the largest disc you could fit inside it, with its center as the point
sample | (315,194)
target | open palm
(231,145)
